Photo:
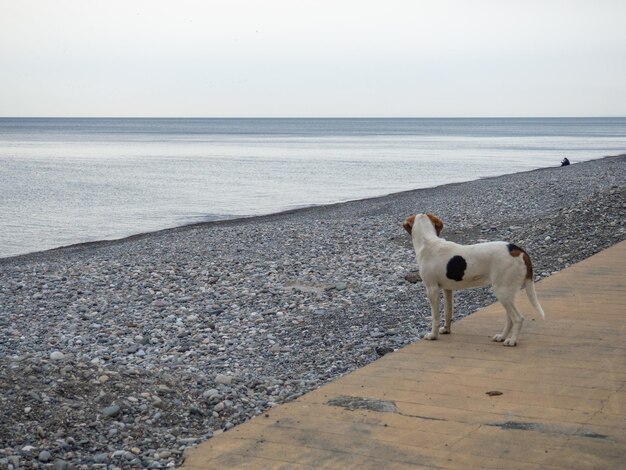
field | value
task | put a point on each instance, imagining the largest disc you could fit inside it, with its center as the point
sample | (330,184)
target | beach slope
(126,353)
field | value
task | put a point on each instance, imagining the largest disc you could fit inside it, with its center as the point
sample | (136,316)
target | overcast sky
(313,58)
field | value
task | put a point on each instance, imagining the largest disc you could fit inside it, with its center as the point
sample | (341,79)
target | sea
(67,181)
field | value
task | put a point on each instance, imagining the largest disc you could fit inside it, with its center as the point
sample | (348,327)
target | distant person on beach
(565,162)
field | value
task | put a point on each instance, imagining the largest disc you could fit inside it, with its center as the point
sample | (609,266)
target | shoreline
(126,353)
(81,246)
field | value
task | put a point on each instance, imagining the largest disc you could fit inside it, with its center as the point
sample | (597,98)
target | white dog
(449,266)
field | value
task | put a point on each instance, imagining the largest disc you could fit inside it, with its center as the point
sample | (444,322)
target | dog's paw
(509,342)
(444,330)
(430,336)
(498,338)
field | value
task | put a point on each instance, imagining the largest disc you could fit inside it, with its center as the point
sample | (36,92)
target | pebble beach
(124,354)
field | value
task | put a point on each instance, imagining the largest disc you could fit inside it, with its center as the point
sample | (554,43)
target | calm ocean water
(66,181)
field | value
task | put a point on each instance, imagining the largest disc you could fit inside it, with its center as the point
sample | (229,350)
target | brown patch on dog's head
(515,251)
(408,224)
(437,222)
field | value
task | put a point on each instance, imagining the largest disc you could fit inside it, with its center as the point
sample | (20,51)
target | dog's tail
(532,297)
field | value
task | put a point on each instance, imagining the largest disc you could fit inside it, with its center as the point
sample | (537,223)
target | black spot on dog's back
(456,268)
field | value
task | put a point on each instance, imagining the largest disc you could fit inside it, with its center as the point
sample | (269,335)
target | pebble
(223,379)
(413,277)
(212,392)
(196,330)
(57,356)
(102,457)
(111,411)
(61,465)
(382,350)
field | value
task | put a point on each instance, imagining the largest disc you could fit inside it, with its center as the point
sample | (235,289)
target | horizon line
(319,117)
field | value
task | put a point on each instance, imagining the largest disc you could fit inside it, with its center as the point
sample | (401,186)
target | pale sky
(294,58)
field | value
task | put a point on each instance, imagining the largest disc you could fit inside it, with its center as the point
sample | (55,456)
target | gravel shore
(124,354)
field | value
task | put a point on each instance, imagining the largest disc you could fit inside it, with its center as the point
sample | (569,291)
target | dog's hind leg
(518,320)
(446,329)
(507,329)
(433,297)
(514,318)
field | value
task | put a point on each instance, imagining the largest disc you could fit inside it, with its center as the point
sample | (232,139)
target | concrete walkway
(557,401)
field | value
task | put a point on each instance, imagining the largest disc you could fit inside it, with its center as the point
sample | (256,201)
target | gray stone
(61,465)
(101,457)
(112,410)
(28,449)
(57,356)
(210,393)
(224,379)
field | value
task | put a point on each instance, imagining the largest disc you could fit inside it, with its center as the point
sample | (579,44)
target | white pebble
(57,356)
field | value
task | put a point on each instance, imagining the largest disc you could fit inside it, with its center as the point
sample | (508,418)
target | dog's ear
(437,222)
(408,224)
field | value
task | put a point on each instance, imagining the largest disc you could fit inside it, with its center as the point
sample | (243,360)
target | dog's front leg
(433,297)
(446,329)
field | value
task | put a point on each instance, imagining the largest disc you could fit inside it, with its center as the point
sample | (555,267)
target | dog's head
(436,222)
(408,224)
